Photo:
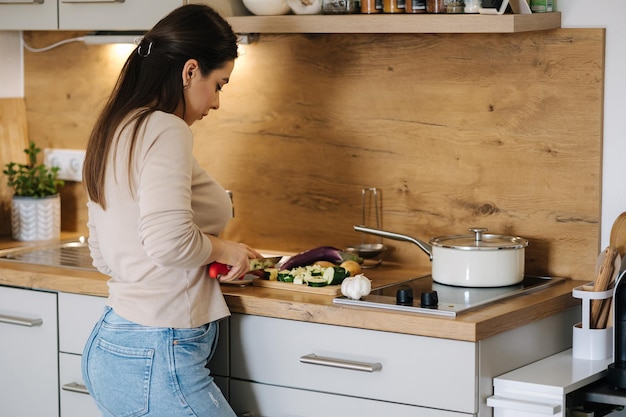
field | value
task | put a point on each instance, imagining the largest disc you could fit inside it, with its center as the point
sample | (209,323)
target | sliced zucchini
(284,276)
(317,282)
(271,274)
(335,275)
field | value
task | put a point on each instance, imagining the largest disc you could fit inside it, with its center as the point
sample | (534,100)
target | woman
(154,217)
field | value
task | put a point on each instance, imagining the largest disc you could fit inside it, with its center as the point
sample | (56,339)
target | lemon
(352,267)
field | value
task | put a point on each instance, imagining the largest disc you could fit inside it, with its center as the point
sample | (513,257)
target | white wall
(575,13)
(12,65)
(610,15)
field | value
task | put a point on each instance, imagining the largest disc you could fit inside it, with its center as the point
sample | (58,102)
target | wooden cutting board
(13,141)
(327,290)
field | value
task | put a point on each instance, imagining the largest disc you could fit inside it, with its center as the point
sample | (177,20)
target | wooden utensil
(603,282)
(618,234)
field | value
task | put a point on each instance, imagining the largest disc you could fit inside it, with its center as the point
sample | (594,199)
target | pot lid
(479,240)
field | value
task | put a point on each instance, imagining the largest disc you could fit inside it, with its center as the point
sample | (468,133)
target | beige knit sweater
(150,240)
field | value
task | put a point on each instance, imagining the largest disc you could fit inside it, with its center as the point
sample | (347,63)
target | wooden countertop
(471,326)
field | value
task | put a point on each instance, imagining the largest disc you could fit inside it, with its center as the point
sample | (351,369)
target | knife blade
(216,269)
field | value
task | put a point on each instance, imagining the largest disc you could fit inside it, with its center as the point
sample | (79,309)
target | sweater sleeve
(94,244)
(164,169)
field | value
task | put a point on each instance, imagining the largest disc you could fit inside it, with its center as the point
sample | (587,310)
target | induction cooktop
(440,299)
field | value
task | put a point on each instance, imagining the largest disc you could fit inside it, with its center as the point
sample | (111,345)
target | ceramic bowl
(305,6)
(267,7)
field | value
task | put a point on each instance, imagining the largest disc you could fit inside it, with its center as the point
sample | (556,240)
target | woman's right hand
(236,255)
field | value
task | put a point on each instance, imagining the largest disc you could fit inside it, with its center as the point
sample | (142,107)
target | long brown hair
(150,80)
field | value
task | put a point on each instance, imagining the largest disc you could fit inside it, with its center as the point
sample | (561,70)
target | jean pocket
(120,378)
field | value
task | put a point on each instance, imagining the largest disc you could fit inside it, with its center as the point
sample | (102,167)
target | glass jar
(338,6)
(435,6)
(454,6)
(472,6)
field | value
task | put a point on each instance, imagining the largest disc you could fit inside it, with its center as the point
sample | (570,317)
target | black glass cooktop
(445,300)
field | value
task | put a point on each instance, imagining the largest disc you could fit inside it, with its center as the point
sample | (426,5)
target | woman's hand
(236,255)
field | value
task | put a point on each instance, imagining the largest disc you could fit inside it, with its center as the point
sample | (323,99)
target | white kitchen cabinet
(113,14)
(542,388)
(83,14)
(28,353)
(77,316)
(254,400)
(75,399)
(28,15)
(422,373)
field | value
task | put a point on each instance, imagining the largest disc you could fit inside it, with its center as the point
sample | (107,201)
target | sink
(72,254)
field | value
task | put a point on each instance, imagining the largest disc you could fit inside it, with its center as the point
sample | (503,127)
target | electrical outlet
(70,162)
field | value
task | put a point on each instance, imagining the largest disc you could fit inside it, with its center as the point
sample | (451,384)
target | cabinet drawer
(113,14)
(75,400)
(32,15)
(267,400)
(29,367)
(424,371)
(77,316)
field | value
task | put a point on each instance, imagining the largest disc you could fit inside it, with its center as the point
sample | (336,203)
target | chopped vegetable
(352,267)
(322,253)
(316,282)
(335,275)
(356,287)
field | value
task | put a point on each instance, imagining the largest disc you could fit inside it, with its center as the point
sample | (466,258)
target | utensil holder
(588,343)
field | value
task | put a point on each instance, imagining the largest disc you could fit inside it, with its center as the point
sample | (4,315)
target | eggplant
(322,253)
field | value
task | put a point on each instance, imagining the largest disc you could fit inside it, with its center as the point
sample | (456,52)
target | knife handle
(216,269)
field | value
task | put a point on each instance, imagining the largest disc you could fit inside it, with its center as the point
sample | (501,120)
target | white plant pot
(36,218)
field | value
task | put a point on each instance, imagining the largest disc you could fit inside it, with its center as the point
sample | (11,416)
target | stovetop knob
(429,299)
(404,296)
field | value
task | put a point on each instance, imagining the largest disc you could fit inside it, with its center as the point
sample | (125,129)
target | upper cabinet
(83,14)
(396,23)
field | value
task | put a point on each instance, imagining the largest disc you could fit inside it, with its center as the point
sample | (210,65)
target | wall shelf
(394,23)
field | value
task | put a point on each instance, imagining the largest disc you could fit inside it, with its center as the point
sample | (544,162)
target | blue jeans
(133,370)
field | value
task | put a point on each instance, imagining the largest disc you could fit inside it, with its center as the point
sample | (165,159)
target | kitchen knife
(216,269)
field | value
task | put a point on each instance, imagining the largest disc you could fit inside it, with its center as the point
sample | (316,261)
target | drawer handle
(21,1)
(93,1)
(75,387)
(313,359)
(20,321)
(526,406)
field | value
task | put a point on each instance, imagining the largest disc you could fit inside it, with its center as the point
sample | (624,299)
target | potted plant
(36,203)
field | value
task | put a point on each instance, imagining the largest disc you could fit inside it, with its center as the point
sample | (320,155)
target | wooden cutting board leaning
(13,141)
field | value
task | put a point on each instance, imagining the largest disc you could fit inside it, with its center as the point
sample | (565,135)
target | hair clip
(147,53)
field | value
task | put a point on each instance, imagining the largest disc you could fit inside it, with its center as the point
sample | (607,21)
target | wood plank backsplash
(456,131)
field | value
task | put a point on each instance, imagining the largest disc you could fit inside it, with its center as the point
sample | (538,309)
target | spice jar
(393,6)
(338,6)
(454,6)
(371,6)
(415,6)
(435,6)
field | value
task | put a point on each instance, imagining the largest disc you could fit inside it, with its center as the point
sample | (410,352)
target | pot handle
(428,249)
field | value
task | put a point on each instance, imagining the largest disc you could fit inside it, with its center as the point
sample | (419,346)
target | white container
(35,219)
(588,343)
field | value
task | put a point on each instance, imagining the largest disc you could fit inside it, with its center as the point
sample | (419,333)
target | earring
(185,86)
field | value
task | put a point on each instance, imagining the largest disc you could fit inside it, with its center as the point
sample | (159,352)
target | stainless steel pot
(473,260)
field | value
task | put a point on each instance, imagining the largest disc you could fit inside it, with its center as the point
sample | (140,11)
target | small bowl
(367,250)
(267,7)
(305,6)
